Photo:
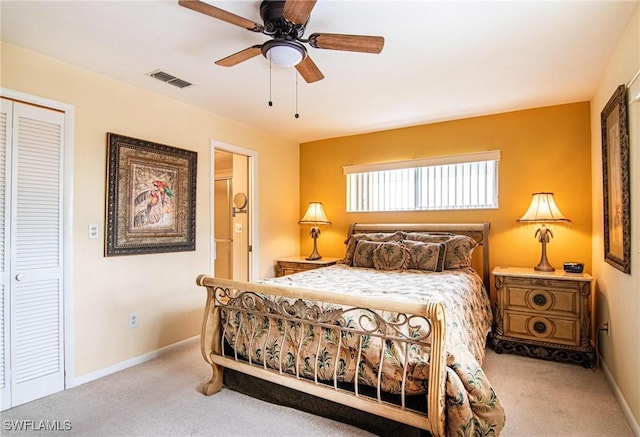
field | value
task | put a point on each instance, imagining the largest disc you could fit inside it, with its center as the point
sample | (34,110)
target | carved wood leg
(215,383)
(210,338)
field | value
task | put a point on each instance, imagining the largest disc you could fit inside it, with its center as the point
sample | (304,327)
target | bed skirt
(280,395)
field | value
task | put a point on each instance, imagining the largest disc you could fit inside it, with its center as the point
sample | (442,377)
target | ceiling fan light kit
(285,22)
(284,54)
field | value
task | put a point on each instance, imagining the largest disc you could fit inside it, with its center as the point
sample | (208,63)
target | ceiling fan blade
(220,14)
(351,43)
(309,70)
(298,11)
(241,56)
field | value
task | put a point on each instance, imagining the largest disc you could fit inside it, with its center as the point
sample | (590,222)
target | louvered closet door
(36,347)
(6,112)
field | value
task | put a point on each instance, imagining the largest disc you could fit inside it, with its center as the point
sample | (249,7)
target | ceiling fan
(285,22)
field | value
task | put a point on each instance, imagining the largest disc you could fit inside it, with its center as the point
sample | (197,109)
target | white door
(33,340)
(6,119)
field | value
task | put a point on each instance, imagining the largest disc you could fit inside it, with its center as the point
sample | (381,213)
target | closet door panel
(37,358)
(6,114)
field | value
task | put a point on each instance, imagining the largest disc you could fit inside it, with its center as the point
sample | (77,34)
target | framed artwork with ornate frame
(151,197)
(616,181)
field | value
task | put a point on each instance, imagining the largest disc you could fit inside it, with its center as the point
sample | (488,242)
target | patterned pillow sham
(456,255)
(375,237)
(390,255)
(429,237)
(363,253)
(459,251)
(425,256)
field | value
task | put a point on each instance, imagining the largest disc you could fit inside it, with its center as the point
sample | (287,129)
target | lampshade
(284,55)
(543,209)
(315,215)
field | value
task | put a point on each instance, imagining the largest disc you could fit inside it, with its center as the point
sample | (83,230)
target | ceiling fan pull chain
(270,102)
(297,115)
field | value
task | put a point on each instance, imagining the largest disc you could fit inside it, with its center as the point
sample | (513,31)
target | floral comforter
(472,406)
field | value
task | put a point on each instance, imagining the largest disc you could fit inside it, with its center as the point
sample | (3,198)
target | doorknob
(19,277)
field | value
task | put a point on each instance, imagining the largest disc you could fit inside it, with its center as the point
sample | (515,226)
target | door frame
(67,217)
(252,195)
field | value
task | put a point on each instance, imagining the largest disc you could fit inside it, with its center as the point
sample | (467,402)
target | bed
(396,329)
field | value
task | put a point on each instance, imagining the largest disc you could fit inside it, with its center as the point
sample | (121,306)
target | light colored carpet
(545,398)
(162,398)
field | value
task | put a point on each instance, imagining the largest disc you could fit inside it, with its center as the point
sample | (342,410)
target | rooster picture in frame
(151,192)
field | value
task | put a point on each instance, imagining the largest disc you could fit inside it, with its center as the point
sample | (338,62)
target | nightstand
(294,264)
(543,314)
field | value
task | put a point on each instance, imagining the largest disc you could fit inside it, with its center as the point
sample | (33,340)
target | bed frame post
(437,371)
(211,339)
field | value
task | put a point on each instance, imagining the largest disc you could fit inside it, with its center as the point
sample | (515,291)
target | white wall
(160,287)
(618,294)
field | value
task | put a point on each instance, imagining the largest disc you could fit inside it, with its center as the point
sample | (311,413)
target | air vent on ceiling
(170,79)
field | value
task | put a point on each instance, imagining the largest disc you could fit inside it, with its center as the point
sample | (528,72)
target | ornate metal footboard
(255,302)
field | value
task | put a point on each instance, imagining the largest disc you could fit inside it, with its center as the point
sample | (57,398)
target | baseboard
(79,380)
(633,423)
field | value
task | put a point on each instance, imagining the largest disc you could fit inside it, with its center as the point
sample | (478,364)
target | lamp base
(543,265)
(315,232)
(544,268)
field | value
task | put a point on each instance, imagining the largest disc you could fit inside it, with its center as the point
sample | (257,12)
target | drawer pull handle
(540,299)
(540,327)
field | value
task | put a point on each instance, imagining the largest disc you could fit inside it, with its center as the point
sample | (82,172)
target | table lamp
(315,216)
(543,210)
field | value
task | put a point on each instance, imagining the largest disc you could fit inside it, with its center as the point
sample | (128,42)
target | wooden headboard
(477,231)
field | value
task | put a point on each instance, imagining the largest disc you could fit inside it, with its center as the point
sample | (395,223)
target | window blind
(452,182)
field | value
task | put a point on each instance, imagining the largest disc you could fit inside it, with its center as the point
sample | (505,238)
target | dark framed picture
(616,183)
(151,197)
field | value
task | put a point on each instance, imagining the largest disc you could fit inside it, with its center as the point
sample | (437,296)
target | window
(450,182)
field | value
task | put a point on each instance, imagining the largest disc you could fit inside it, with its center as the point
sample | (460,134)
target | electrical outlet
(606,327)
(134,320)
(94,231)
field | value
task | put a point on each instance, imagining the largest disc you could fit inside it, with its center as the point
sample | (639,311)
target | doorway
(232,212)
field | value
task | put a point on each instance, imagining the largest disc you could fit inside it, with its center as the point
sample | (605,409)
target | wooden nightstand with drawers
(295,264)
(543,314)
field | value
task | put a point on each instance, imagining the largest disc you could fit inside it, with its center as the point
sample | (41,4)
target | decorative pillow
(390,255)
(425,256)
(363,254)
(377,237)
(429,237)
(459,251)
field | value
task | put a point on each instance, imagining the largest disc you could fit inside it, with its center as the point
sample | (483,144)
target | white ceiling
(442,60)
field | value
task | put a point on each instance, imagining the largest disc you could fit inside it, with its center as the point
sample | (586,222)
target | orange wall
(544,149)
